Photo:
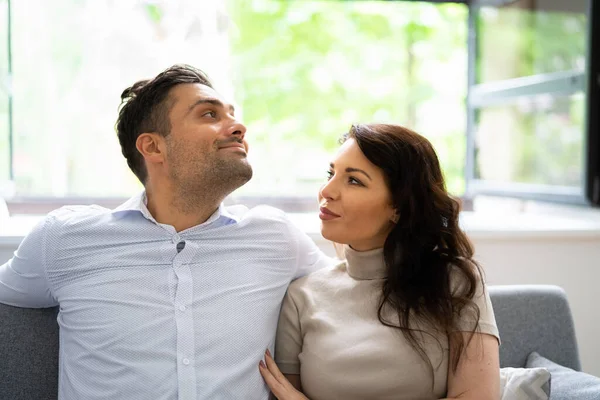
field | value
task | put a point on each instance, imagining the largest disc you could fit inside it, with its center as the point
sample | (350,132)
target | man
(171,295)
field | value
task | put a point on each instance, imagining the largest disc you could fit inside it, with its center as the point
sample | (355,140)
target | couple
(174,296)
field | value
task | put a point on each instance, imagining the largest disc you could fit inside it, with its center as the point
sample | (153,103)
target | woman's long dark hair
(426,246)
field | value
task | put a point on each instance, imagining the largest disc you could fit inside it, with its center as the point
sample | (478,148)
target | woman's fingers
(275,386)
(277,382)
(272,366)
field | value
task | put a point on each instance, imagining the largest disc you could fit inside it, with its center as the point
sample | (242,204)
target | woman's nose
(328,190)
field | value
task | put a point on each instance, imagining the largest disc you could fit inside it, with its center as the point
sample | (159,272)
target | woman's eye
(354,181)
(329,175)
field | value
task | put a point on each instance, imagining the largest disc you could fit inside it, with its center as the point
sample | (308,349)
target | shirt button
(181,308)
(185,361)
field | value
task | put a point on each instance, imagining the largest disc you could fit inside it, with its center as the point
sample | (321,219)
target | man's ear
(151,147)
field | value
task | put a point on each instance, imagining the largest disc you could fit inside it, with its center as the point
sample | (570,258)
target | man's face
(206,147)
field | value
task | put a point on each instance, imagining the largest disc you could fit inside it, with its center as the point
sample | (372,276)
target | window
(528,99)
(305,71)
(301,72)
(72,59)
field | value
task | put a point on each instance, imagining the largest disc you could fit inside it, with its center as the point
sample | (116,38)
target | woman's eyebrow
(351,169)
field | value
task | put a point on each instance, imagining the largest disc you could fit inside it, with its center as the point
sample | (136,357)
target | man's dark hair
(145,107)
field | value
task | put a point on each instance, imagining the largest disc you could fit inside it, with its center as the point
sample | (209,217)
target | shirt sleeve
(486,323)
(309,257)
(23,279)
(288,343)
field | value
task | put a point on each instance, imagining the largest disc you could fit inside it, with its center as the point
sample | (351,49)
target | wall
(570,262)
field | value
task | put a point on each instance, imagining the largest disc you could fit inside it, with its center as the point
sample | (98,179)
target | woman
(406,315)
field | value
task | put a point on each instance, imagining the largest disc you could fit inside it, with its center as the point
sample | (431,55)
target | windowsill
(534,223)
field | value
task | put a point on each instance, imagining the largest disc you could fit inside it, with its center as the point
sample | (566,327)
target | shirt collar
(139,203)
(365,265)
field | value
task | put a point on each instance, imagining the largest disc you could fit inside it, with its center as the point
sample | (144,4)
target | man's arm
(309,257)
(23,279)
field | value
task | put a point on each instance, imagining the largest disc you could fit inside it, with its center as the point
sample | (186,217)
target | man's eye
(211,114)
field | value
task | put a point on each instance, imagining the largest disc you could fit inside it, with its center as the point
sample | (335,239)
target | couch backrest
(530,318)
(534,318)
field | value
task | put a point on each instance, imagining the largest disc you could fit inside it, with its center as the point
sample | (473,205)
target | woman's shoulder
(322,279)
(464,277)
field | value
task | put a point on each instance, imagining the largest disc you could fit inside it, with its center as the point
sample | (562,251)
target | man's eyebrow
(209,100)
(350,170)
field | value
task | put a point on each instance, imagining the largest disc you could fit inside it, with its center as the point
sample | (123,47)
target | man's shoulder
(77,213)
(258,214)
(321,279)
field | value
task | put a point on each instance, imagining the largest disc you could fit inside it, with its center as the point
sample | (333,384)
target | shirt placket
(186,375)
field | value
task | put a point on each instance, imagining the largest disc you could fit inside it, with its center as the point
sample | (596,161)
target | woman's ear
(395,217)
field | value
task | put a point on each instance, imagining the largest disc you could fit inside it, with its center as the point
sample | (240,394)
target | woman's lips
(327,215)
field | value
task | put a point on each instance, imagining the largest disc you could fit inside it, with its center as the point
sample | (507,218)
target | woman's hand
(279,385)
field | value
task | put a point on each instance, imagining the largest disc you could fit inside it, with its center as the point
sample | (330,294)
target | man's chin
(243,173)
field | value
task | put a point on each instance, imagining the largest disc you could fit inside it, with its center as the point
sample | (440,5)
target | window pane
(301,73)
(4,146)
(529,37)
(72,60)
(536,141)
(306,70)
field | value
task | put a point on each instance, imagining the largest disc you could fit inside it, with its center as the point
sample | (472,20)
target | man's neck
(170,208)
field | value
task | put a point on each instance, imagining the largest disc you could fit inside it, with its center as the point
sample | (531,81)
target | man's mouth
(234,146)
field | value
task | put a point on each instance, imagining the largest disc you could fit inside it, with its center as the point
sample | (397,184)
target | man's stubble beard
(208,180)
(227,175)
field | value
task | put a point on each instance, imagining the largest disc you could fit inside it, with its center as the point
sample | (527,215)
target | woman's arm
(284,387)
(294,379)
(477,376)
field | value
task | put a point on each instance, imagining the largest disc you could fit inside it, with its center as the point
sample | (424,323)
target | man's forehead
(190,92)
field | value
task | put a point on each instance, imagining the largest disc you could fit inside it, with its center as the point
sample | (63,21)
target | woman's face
(355,203)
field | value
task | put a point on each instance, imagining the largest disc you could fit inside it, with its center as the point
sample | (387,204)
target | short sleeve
(288,344)
(309,257)
(23,279)
(487,320)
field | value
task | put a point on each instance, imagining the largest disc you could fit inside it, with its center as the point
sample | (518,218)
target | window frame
(480,95)
(7,89)
(592,181)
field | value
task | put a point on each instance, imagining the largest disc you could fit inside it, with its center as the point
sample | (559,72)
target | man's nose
(237,129)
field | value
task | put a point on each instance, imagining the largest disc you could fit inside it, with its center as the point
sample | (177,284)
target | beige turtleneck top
(329,333)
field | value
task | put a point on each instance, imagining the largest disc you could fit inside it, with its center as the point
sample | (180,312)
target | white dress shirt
(149,313)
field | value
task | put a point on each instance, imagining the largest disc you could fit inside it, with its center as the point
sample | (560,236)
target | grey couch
(530,318)
(534,318)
